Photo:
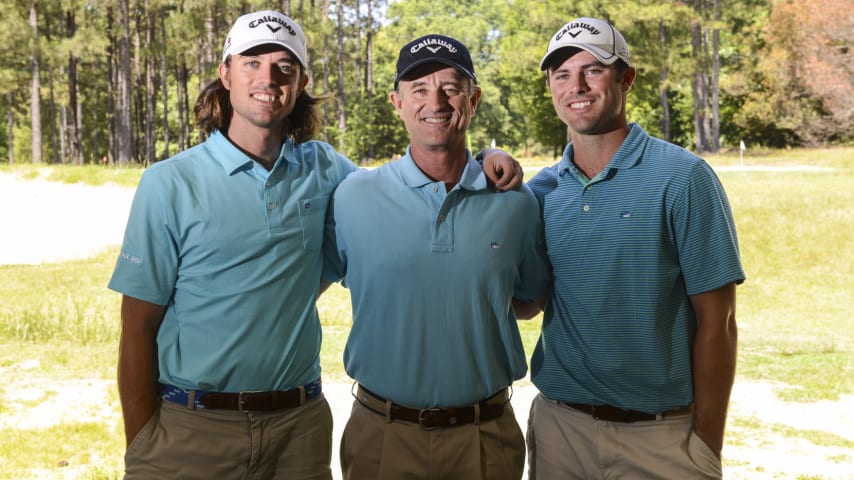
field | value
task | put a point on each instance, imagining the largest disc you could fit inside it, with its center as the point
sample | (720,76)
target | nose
(576,84)
(268,74)
(437,99)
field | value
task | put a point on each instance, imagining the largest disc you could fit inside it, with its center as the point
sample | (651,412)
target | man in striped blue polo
(433,258)
(637,355)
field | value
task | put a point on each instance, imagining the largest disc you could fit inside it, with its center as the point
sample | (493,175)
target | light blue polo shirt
(431,276)
(234,252)
(627,249)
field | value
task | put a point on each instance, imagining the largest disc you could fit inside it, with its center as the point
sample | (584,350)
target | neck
(442,164)
(263,145)
(592,153)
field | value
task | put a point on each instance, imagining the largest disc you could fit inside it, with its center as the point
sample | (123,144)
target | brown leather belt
(615,414)
(432,418)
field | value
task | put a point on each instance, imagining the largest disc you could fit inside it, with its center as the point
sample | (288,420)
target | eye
(594,71)
(287,69)
(452,91)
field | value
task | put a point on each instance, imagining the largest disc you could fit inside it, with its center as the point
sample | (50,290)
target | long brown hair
(213,112)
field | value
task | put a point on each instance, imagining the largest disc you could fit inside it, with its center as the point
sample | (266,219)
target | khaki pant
(373,449)
(564,443)
(180,443)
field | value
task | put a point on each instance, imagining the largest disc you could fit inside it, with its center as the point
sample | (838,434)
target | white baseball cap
(262,28)
(598,37)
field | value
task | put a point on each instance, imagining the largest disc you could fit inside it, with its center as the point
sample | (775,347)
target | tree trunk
(164,78)
(111,155)
(700,84)
(10,125)
(716,67)
(54,132)
(35,93)
(285,7)
(342,97)
(183,112)
(663,89)
(148,48)
(124,129)
(369,73)
(325,62)
(75,152)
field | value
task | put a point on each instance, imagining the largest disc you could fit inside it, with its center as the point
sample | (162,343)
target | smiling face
(588,96)
(263,83)
(436,107)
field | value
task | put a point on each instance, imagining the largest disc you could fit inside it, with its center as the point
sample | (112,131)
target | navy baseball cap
(434,49)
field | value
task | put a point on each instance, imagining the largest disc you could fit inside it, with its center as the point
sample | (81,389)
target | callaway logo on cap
(263,28)
(434,49)
(595,36)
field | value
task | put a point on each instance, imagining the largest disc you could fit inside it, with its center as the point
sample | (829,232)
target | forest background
(114,81)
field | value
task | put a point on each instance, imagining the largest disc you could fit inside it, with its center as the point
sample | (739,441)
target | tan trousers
(564,443)
(180,443)
(373,449)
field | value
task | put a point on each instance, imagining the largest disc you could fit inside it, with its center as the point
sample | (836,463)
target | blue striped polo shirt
(234,253)
(431,277)
(627,249)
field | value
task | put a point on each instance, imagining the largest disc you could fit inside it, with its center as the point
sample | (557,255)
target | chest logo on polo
(494,245)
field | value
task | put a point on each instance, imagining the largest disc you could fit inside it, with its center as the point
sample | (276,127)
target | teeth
(435,120)
(264,97)
(579,104)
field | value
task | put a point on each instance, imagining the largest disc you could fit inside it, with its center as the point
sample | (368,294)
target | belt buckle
(429,412)
(241,401)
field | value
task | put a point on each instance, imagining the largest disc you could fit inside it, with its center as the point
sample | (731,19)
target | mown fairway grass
(58,322)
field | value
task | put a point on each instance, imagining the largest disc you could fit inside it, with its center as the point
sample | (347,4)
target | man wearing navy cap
(433,259)
(637,354)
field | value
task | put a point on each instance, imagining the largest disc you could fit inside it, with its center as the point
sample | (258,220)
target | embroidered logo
(494,244)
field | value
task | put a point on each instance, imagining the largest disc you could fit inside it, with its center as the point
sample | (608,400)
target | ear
(396,100)
(303,82)
(475,99)
(223,76)
(629,78)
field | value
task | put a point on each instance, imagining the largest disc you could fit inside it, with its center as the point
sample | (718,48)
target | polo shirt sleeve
(705,233)
(333,266)
(148,262)
(534,269)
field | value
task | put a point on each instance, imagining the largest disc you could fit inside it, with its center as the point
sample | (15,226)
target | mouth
(579,105)
(264,97)
(436,120)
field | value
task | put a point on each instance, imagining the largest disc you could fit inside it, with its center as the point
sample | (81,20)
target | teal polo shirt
(627,249)
(431,276)
(234,253)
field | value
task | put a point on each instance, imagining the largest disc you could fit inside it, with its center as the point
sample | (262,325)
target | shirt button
(441,218)
(271,205)
(586,208)
(435,189)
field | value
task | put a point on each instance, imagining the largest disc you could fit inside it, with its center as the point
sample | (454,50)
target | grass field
(795,216)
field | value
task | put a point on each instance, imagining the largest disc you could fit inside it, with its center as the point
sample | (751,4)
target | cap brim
(257,43)
(425,61)
(601,55)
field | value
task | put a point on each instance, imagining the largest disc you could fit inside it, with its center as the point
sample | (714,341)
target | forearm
(714,362)
(137,369)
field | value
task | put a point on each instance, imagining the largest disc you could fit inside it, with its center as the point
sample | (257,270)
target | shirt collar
(628,155)
(234,160)
(472,178)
